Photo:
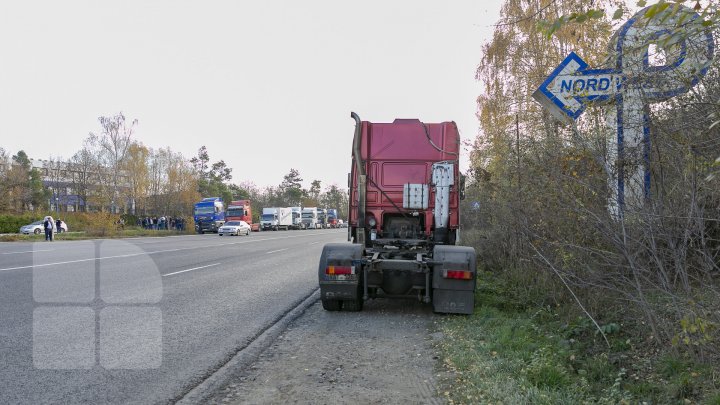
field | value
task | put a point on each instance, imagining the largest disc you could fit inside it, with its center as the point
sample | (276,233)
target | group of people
(162,223)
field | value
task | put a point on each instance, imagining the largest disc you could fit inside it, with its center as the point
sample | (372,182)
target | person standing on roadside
(49,226)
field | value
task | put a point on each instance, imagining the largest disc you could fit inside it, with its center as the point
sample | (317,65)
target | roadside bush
(11,223)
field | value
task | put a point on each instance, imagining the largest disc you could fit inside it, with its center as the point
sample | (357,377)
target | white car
(234,228)
(37,228)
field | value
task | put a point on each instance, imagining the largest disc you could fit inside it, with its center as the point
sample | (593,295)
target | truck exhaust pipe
(362,180)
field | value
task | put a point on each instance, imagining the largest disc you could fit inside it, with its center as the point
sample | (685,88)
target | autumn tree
(537,205)
(138,175)
(115,140)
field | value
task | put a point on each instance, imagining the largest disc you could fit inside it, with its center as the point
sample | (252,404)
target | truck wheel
(331,305)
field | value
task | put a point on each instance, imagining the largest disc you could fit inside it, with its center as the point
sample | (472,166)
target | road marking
(27,251)
(194,268)
(160,251)
(275,251)
(315,243)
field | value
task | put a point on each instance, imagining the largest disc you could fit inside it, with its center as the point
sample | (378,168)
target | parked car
(234,228)
(37,227)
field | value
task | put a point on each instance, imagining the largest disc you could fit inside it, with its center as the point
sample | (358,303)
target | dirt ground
(382,355)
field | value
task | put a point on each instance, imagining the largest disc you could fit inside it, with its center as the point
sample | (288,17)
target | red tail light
(458,274)
(339,270)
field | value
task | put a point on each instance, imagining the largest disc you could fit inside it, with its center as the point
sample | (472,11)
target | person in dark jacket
(49,226)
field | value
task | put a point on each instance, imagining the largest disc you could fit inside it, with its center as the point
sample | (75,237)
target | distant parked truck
(240,210)
(332,218)
(310,217)
(209,215)
(275,218)
(297,218)
(322,218)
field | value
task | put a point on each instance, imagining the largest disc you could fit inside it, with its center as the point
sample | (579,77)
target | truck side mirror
(462,186)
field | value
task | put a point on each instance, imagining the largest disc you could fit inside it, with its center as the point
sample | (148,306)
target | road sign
(571,86)
(631,85)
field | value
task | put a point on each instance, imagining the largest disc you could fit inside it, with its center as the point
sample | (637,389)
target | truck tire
(331,305)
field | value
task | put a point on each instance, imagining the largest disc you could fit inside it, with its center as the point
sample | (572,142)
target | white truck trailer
(275,218)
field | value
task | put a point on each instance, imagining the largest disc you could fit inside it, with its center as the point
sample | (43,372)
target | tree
(25,185)
(136,167)
(115,142)
(538,199)
(314,192)
(5,201)
(291,188)
(83,166)
(212,178)
(334,197)
(56,172)
(201,161)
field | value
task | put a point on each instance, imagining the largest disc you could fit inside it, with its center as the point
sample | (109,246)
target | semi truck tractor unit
(332,219)
(297,218)
(405,188)
(322,218)
(209,214)
(310,217)
(240,210)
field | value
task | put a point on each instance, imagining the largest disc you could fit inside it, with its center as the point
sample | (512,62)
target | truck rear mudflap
(454,279)
(339,277)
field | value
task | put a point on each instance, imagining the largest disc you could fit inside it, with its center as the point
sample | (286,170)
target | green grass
(509,352)
(126,233)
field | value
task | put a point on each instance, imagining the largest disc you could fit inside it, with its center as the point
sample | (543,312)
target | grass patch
(123,233)
(511,352)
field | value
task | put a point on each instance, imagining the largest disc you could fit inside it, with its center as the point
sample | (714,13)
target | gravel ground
(382,355)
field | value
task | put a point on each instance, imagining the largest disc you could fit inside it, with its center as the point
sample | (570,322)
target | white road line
(275,251)
(27,251)
(157,251)
(315,243)
(194,268)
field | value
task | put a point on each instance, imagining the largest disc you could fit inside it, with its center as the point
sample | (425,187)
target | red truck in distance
(240,210)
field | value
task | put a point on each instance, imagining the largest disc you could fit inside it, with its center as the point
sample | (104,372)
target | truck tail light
(458,274)
(339,270)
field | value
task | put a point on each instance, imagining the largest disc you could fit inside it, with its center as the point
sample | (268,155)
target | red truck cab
(240,210)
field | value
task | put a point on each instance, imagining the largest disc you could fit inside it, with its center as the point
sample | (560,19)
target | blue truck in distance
(332,218)
(209,215)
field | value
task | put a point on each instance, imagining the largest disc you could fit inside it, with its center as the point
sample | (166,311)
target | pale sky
(265,85)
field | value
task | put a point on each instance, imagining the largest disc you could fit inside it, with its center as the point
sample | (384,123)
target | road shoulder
(381,355)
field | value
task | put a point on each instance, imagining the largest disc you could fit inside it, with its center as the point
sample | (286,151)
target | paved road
(141,320)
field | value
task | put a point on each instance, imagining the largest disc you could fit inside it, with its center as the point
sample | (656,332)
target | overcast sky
(265,85)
